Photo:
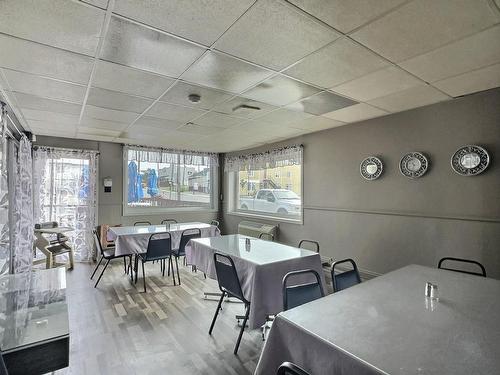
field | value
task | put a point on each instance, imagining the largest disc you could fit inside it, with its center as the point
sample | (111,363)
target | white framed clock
(413,165)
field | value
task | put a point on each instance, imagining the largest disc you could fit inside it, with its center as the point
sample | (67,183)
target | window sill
(267,217)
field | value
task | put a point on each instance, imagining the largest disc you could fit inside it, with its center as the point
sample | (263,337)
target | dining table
(388,325)
(130,240)
(260,265)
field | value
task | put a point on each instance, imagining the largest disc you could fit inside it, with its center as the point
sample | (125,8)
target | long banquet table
(388,326)
(131,240)
(261,268)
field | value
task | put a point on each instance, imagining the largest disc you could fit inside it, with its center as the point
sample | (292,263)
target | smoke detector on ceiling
(194,98)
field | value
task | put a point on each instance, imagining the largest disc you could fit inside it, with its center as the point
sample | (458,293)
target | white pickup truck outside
(276,201)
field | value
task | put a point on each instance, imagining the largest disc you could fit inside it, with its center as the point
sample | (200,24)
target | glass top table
(33,308)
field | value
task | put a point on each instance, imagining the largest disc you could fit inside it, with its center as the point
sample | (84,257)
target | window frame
(151,210)
(232,206)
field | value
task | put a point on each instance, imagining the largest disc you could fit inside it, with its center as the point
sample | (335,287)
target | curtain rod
(75,150)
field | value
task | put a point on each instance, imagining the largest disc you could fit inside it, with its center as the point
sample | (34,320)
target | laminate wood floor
(118,329)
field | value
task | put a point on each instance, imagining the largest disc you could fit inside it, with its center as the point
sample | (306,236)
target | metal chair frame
(315,243)
(144,257)
(139,223)
(295,273)
(237,293)
(288,368)
(334,276)
(186,236)
(168,221)
(109,257)
(469,261)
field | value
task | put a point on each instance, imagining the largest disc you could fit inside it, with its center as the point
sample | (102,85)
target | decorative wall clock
(470,160)
(371,168)
(413,165)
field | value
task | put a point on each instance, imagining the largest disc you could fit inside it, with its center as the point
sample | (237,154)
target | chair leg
(216,313)
(170,263)
(125,264)
(242,329)
(71,259)
(163,267)
(130,268)
(178,274)
(144,277)
(104,269)
(96,267)
(136,267)
(168,270)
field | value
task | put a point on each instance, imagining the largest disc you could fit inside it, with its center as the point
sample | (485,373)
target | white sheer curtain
(163,155)
(65,184)
(281,157)
(4,203)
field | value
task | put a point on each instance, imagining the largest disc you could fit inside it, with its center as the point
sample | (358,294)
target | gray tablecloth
(388,326)
(261,283)
(138,243)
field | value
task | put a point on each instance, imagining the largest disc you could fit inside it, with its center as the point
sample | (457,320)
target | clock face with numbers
(470,160)
(413,165)
(371,168)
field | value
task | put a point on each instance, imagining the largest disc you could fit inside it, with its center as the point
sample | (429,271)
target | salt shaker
(431,290)
(247,244)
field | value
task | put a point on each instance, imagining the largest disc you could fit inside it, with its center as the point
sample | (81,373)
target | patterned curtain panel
(281,157)
(65,185)
(4,205)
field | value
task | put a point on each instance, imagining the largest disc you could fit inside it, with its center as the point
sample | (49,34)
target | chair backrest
(97,241)
(303,244)
(266,236)
(3,368)
(215,223)
(346,279)
(169,221)
(137,223)
(159,245)
(186,236)
(227,276)
(461,260)
(288,368)
(299,294)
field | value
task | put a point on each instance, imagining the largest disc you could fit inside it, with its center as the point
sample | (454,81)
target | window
(259,186)
(160,180)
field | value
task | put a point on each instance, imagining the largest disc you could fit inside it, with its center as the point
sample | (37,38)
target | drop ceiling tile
(115,100)
(414,97)
(102,124)
(476,51)
(201,21)
(225,73)
(34,58)
(44,87)
(139,47)
(43,104)
(470,82)
(274,35)
(98,131)
(339,62)
(46,116)
(94,137)
(130,81)
(380,83)
(159,123)
(316,123)
(98,3)
(208,97)
(238,107)
(423,25)
(174,112)
(60,23)
(199,129)
(157,136)
(284,116)
(280,90)
(346,15)
(214,119)
(53,128)
(321,103)
(109,114)
(354,113)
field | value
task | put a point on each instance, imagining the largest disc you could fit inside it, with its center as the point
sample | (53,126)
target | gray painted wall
(395,221)
(111,165)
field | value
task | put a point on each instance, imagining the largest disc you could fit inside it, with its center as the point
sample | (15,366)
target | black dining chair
(3,368)
(288,368)
(307,244)
(266,236)
(186,236)
(215,223)
(159,249)
(346,279)
(298,294)
(229,285)
(108,254)
(139,223)
(463,261)
(169,221)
